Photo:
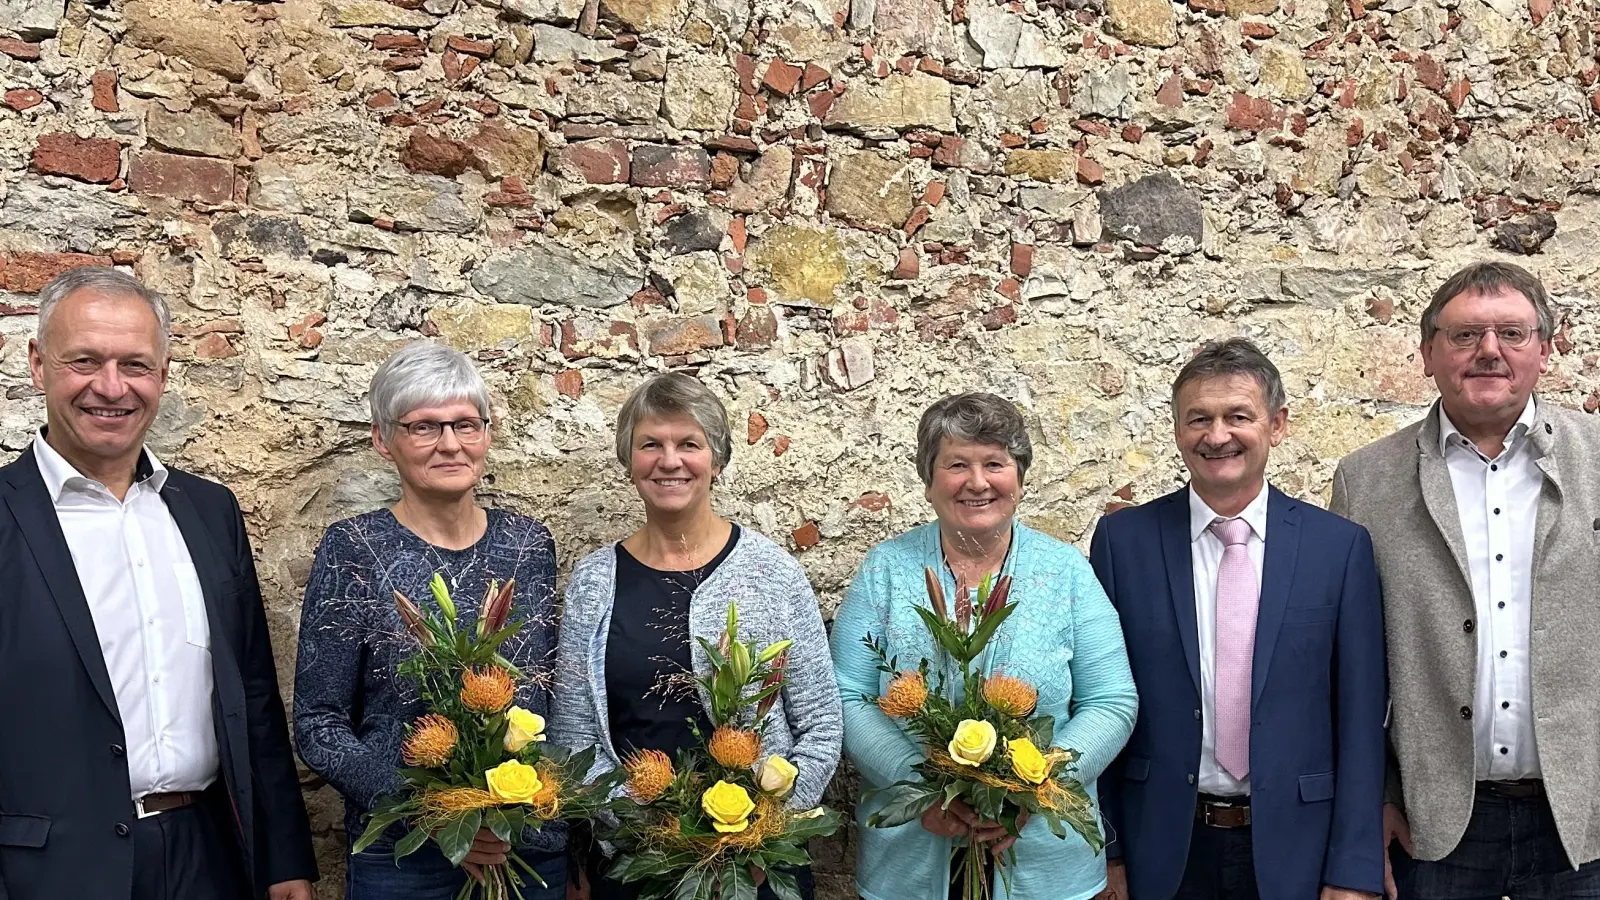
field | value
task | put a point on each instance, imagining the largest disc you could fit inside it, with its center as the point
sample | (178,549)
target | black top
(649,674)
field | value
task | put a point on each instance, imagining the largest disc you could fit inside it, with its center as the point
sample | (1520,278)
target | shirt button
(1467,626)
(139,563)
(122,829)
(1497,510)
(1505,704)
(1466,712)
(1504,750)
(1499,556)
(1494,468)
(117,750)
(1502,654)
(1502,604)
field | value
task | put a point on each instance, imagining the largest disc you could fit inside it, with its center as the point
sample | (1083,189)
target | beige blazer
(1399,488)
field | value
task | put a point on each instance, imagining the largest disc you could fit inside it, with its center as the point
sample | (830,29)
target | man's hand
(290,890)
(1329,892)
(487,850)
(1116,881)
(956,822)
(1395,828)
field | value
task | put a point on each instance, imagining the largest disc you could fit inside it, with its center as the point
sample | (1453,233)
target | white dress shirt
(1498,501)
(149,616)
(1205,551)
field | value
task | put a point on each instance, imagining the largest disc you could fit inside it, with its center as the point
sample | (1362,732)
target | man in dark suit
(143,748)
(1254,629)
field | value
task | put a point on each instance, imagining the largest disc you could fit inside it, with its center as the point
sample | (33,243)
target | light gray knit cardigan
(775,602)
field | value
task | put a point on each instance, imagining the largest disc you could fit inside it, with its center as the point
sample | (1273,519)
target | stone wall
(834,210)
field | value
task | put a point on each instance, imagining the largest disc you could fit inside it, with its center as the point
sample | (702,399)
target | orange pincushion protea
(649,775)
(905,696)
(1011,696)
(487,690)
(734,747)
(432,740)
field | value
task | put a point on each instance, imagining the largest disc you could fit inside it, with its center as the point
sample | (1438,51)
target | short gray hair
(108,282)
(1234,356)
(1485,278)
(675,394)
(976,417)
(424,374)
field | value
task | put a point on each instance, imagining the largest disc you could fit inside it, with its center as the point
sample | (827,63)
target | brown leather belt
(1525,789)
(1223,813)
(151,804)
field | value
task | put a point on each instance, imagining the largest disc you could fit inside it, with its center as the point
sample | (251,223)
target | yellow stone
(1042,165)
(470,328)
(800,263)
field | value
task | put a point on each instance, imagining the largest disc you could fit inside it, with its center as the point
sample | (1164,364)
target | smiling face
(446,469)
(102,367)
(1488,382)
(1224,431)
(975,487)
(671,464)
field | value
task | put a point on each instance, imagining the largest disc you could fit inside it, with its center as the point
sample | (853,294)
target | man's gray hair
(424,374)
(675,394)
(976,417)
(1488,278)
(1234,356)
(106,281)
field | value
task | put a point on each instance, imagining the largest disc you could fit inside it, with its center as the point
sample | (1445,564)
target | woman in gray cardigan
(627,662)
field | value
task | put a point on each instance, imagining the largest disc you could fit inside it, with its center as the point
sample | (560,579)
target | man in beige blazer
(1485,517)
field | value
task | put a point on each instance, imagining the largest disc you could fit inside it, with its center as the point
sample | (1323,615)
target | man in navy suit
(1255,631)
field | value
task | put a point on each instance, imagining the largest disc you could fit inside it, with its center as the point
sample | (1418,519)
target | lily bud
(997,597)
(936,594)
(498,607)
(775,676)
(774,651)
(412,617)
(441,596)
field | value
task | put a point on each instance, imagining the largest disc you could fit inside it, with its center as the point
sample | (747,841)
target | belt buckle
(138,807)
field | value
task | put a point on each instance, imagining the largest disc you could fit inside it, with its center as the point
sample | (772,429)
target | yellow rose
(776,775)
(513,782)
(1026,760)
(522,729)
(973,743)
(729,807)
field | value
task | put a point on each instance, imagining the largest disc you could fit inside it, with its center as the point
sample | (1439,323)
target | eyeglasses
(1468,337)
(428,432)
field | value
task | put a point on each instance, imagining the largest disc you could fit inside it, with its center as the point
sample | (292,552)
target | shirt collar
(1202,515)
(1449,433)
(61,476)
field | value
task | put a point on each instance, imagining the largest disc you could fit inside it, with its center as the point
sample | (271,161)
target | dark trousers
(1221,865)
(1511,849)
(185,854)
(426,874)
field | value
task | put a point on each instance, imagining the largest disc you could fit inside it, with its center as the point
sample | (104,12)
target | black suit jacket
(64,799)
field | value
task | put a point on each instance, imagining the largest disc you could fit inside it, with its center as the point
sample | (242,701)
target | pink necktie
(1238,595)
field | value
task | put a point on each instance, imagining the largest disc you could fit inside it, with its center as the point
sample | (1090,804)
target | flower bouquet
(701,830)
(984,745)
(474,759)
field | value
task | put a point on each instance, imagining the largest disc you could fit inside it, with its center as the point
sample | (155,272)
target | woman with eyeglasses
(430,419)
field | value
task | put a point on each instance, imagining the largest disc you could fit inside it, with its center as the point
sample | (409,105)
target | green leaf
(783,853)
(1042,730)
(784,885)
(409,844)
(696,884)
(802,830)
(496,821)
(712,653)
(737,884)
(638,866)
(455,838)
(904,802)
(986,630)
(375,829)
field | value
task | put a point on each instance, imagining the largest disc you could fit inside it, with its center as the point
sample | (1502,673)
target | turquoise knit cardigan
(1064,638)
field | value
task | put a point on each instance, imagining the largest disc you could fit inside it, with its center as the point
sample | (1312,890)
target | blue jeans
(426,875)
(1511,849)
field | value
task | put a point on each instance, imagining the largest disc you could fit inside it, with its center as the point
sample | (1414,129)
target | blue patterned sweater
(1064,638)
(350,708)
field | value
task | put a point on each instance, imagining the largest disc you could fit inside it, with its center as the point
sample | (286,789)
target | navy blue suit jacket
(1318,695)
(64,799)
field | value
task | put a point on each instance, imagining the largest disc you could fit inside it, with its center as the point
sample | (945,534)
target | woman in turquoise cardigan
(1064,638)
